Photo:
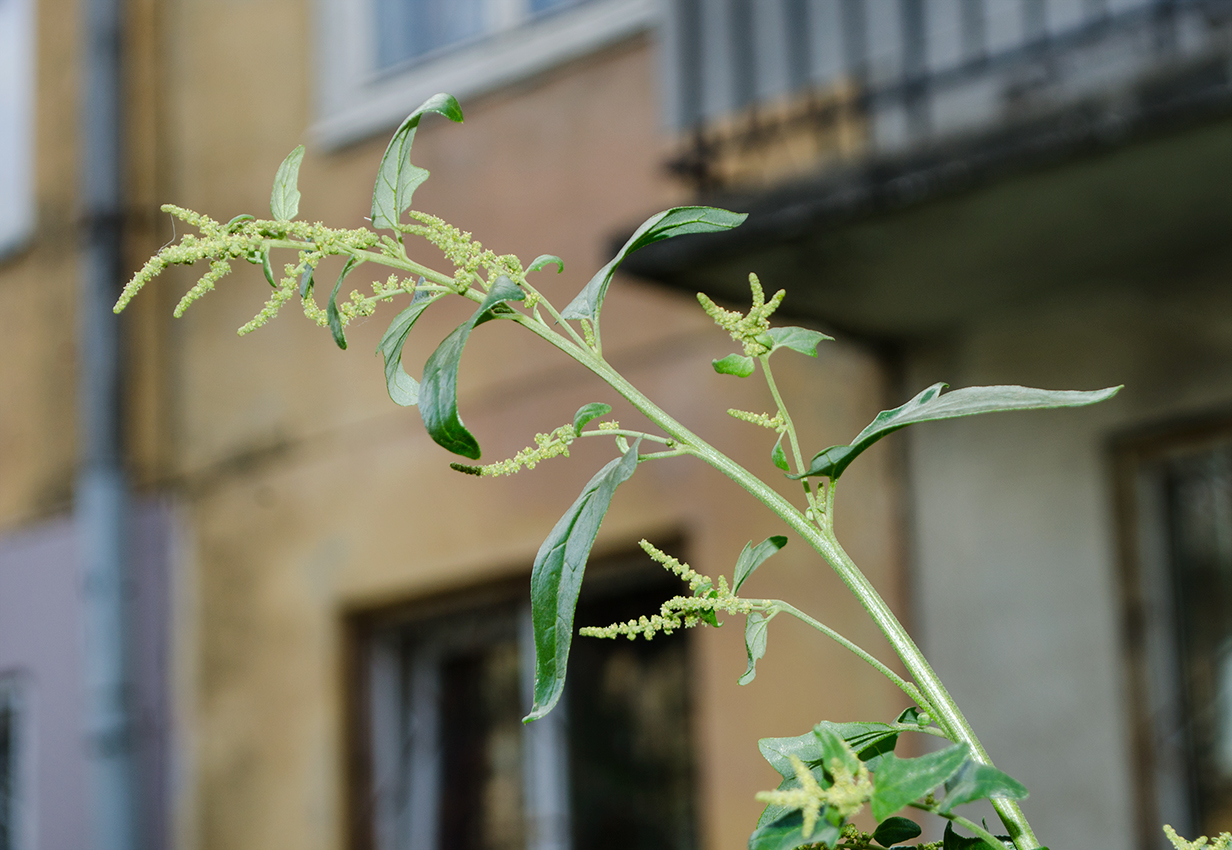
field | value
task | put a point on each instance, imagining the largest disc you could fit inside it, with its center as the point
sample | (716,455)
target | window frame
(354,100)
(547,753)
(20,76)
(1150,634)
(14,700)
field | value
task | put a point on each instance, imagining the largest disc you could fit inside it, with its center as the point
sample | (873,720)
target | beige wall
(305,494)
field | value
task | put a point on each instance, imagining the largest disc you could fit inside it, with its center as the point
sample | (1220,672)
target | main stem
(826,544)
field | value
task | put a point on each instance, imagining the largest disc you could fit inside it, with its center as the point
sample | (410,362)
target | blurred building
(323,627)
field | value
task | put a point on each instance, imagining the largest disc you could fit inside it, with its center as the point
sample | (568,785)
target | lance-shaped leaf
(802,340)
(267,268)
(975,781)
(677,221)
(556,578)
(438,394)
(898,782)
(331,309)
(284,198)
(779,457)
(587,413)
(752,557)
(545,260)
(756,627)
(932,404)
(734,364)
(397,179)
(403,389)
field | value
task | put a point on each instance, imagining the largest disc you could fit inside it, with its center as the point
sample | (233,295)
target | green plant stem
(903,685)
(791,428)
(965,823)
(821,538)
(947,715)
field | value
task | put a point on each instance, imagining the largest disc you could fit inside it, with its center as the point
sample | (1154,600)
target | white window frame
(16,124)
(355,100)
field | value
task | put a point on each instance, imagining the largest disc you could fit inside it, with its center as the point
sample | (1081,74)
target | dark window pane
(481,788)
(630,748)
(1199,493)
(8,769)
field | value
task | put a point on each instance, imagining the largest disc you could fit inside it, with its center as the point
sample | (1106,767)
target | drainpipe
(101,491)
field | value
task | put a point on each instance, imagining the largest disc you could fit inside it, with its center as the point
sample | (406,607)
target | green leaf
(284,199)
(914,715)
(267,268)
(305,282)
(953,841)
(871,741)
(975,781)
(893,830)
(588,412)
(677,221)
(557,577)
(755,629)
(544,260)
(752,557)
(438,394)
(402,388)
(734,364)
(834,746)
(787,833)
(397,179)
(898,782)
(802,340)
(779,457)
(930,405)
(331,309)
(778,751)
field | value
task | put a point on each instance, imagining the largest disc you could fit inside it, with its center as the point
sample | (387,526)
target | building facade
(326,625)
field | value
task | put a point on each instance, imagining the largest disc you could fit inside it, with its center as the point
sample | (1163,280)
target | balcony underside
(914,248)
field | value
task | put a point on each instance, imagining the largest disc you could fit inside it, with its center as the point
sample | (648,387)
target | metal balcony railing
(878,77)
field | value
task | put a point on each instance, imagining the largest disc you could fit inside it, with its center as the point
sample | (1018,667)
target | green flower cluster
(748,330)
(680,611)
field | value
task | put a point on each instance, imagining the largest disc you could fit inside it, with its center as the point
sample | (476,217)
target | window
(16,122)
(1179,618)
(379,59)
(10,763)
(446,763)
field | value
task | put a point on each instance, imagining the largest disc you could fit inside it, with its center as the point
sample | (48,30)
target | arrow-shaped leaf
(556,578)
(677,221)
(438,394)
(898,782)
(403,389)
(975,781)
(787,833)
(284,199)
(932,404)
(802,340)
(752,557)
(397,179)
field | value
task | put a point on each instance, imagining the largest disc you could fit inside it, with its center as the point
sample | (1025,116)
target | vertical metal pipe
(101,491)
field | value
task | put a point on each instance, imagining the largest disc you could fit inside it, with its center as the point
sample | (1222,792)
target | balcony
(883,149)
